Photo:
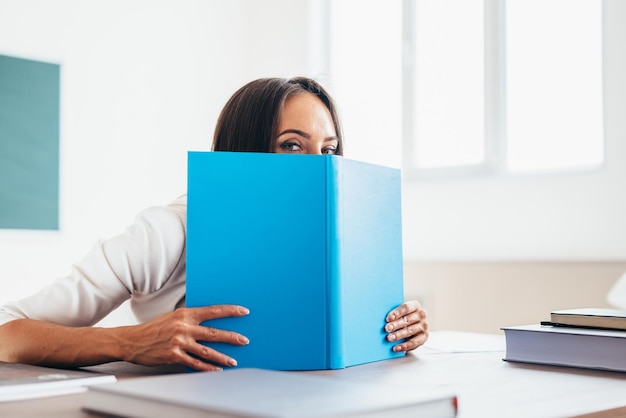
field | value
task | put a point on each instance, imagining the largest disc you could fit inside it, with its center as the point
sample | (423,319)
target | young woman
(146,263)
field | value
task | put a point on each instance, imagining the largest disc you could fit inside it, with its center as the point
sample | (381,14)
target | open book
(311,244)
(24,381)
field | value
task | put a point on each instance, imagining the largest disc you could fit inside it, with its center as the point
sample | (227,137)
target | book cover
(590,317)
(263,393)
(566,346)
(311,244)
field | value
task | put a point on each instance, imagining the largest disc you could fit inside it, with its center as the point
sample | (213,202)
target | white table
(469,364)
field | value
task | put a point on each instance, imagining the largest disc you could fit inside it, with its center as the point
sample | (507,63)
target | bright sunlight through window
(554,84)
(449,83)
(539,94)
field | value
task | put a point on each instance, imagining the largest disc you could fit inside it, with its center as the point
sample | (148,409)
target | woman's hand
(173,338)
(408,321)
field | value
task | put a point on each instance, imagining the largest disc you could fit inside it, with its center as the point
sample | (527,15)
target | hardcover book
(590,317)
(263,393)
(311,244)
(566,346)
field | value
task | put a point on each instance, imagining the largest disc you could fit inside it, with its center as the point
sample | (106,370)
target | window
(509,86)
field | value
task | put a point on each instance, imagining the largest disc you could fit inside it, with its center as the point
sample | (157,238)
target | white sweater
(145,263)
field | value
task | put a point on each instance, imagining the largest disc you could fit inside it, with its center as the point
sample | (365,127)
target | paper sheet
(465,342)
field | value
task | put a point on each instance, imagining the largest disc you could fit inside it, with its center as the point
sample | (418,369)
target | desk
(486,385)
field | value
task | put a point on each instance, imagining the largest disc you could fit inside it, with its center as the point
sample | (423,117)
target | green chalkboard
(29,144)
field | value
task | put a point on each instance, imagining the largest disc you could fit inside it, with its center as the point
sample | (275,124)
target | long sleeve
(145,263)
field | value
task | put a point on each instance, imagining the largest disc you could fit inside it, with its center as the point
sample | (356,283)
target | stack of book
(590,338)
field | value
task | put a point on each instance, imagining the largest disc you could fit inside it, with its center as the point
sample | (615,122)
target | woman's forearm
(43,343)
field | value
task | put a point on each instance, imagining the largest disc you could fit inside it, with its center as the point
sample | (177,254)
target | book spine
(333,262)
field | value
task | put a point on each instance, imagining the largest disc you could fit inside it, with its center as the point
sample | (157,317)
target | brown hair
(249,120)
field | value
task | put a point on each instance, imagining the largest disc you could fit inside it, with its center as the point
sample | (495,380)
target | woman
(146,263)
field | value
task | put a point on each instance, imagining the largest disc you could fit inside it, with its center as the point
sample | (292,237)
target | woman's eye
(291,146)
(329,151)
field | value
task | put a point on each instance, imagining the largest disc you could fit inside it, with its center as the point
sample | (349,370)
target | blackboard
(29,144)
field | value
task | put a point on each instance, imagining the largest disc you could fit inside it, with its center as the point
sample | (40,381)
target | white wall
(142,83)
(482,297)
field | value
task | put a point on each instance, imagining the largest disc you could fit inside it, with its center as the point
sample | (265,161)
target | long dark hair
(249,120)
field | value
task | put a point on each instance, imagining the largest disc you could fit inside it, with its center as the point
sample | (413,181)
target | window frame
(495,101)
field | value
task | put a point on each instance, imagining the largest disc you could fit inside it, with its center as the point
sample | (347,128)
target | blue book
(311,244)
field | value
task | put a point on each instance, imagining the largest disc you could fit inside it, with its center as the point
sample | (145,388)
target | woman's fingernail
(389,327)
(243,339)
(244,311)
(391,337)
(232,362)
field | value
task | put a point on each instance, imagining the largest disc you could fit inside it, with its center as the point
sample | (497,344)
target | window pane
(449,94)
(554,84)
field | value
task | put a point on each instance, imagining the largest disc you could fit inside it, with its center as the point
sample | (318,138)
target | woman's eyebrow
(306,135)
(295,131)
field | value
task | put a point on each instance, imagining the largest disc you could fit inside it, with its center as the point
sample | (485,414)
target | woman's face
(305,127)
